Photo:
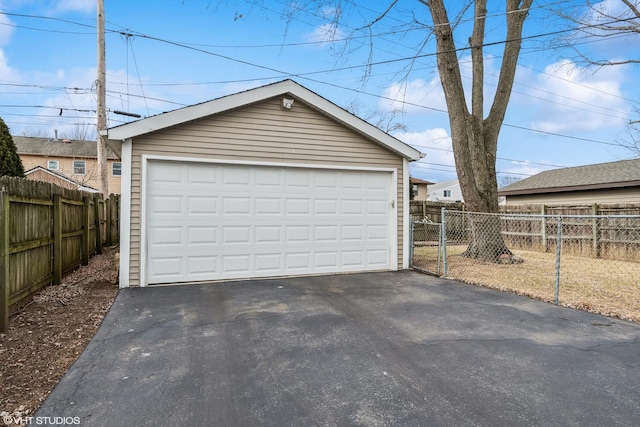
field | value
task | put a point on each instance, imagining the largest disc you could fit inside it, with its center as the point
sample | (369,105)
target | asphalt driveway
(375,349)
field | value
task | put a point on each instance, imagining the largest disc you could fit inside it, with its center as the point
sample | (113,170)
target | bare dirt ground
(48,335)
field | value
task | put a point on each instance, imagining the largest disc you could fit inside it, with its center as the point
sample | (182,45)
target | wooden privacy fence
(45,232)
(609,230)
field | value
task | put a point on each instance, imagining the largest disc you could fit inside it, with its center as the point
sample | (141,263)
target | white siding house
(445,191)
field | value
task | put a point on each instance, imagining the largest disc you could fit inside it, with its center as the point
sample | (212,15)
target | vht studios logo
(9,420)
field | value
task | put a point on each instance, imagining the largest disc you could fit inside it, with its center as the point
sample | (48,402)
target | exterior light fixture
(287,103)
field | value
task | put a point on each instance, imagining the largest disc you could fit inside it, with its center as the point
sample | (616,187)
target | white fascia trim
(393,223)
(147,157)
(125,214)
(406,238)
(194,112)
(143,222)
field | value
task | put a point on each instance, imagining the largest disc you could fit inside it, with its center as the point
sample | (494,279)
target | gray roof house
(612,182)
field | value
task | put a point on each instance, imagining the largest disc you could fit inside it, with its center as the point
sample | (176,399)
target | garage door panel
(202,265)
(298,261)
(198,205)
(236,264)
(268,205)
(202,236)
(269,263)
(168,205)
(208,221)
(298,206)
(240,177)
(354,258)
(167,267)
(240,234)
(269,234)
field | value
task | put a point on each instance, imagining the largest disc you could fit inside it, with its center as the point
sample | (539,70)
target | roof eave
(216,106)
(527,191)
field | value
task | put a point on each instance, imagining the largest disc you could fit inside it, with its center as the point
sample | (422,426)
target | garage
(219,221)
(273,181)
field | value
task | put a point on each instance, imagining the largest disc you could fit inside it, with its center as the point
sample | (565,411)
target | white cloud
(520,169)
(85,6)
(425,96)
(436,145)
(6,29)
(413,96)
(326,33)
(571,100)
(330,12)
(7,74)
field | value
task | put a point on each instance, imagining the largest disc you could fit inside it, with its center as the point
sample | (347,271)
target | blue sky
(181,52)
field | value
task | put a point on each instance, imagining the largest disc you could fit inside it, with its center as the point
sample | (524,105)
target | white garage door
(213,221)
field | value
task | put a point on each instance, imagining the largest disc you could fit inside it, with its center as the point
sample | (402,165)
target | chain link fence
(585,262)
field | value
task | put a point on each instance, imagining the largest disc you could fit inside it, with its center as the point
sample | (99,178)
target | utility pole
(103,183)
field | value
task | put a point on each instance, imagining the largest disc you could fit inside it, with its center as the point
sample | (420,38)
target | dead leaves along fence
(45,232)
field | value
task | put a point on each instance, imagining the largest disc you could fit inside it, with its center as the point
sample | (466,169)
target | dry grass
(602,286)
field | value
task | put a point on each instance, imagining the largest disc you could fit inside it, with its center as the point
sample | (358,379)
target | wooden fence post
(57,239)
(85,230)
(543,231)
(107,221)
(116,220)
(97,209)
(5,285)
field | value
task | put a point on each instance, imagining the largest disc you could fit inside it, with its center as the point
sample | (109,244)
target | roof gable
(120,133)
(57,148)
(622,173)
(444,184)
(61,177)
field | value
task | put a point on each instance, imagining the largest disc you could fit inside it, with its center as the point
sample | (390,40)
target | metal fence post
(558,256)
(411,242)
(443,236)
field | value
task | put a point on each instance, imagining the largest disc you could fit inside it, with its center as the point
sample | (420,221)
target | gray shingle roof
(50,147)
(622,173)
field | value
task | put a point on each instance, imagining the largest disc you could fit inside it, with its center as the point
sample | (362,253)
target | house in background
(419,189)
(45,175)
(612,182)
(445,191)
(75,161)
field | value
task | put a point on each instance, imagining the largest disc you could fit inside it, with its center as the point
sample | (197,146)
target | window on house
(447,193)
(53,165)
(116,169)
(79,167)
(415,188)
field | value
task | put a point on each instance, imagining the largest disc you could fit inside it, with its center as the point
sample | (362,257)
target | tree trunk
(474,138)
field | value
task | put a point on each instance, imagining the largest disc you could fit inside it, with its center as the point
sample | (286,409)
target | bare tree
(603,19)
(80,132)
(474,134)
(508,180)
(631,141)
(387,120)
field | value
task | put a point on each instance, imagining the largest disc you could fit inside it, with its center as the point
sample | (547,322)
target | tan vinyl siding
(65,167)
(261,132)
(609,195)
